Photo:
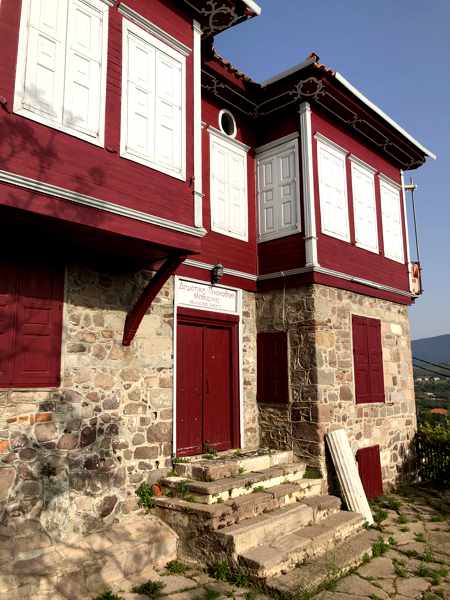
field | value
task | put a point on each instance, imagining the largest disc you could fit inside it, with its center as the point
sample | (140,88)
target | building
(191,261)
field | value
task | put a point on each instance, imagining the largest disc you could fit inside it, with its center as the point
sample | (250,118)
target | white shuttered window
(228,164)
(278,191)
(333,190)
(61,65)
(153,102)
(392,221)
(364,207)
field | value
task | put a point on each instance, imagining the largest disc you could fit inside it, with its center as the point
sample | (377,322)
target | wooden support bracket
(136,314)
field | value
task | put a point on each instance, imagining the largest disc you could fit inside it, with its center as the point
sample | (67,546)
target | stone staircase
(257,512)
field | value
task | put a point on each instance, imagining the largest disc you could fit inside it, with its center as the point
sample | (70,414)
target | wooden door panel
(217,419)
(189,389)
(369,467)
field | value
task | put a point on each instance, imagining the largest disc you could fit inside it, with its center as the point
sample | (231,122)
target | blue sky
(398,54)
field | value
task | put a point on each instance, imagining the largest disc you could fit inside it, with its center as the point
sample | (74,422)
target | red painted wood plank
(369,467)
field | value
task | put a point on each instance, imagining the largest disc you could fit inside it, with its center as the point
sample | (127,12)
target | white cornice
(338,274)
(104,205)
(138,19)
(227,138)
(278,142)
(207,267)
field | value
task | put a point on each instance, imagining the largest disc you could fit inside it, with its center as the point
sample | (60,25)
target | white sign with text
(206,297)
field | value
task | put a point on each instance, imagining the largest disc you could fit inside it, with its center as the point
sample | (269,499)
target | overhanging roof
(217,15)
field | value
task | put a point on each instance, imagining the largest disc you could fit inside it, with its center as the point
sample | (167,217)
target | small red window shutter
(361,360)
(7,321)
(369,467)
(272,365)
(39,324)
(375,360)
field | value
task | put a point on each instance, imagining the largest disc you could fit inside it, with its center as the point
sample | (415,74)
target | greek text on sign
(202,295)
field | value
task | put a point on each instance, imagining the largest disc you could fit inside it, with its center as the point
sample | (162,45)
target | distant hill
(435,349)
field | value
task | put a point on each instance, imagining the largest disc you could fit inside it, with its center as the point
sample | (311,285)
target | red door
(207,397)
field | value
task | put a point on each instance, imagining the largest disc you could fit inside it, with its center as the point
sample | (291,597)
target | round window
(227,123)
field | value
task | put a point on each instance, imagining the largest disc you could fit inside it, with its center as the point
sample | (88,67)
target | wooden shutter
(87,28)
(375,360)
(364,206)
(278,190)
(45,57)
(268,196)
(140,97)
(272,367)
(31,318)
(369,467)
(168,135)
(392,222)
(8,309)
(333,191)
(228,165)
(237,194)
(367,360)
(361,360)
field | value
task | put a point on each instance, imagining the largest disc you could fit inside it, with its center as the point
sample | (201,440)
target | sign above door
(203,296)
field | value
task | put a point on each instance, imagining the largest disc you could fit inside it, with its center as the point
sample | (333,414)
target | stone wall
(72,457)
(322,395)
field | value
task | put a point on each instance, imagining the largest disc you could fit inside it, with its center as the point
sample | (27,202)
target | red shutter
(367,360)
(7,321)
(361,360)
(33,356)
(369,467)
(273,385)
(375,360)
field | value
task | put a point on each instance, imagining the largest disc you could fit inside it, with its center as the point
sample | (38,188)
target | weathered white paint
(348,475)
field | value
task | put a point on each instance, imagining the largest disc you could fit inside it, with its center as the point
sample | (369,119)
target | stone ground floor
(414,565)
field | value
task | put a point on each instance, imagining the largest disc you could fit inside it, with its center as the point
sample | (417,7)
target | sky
(397,52)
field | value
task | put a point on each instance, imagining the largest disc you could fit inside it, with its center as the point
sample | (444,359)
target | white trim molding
(208,267)
(308,185)
(92,202)
(337,274)
(361,163)
(390,181)
(278,142)
(156,31)
(198,154)
(325,140)
(228,139)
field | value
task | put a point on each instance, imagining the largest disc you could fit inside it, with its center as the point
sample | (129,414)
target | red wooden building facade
(126,141)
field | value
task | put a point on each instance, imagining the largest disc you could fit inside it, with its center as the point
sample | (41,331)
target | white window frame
(268,151)
(147,37)
(340,153)
(216,136)
(20,109)
(391,186)
(362,167)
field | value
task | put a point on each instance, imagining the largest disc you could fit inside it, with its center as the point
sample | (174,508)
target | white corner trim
(253,6)
(213,131)
(278,142)
(354,159)
(104,205)
(382,114)
(308,185)
(405,216)
(138,19)
(208,267)
(321,138)
(198,154)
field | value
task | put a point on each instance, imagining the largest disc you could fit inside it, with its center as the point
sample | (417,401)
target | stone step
(284,552)
(227,465)
(263,529)
(221,490)
(307,577)
(220,515)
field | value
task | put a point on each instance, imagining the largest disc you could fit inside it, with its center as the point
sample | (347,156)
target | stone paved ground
(415,526)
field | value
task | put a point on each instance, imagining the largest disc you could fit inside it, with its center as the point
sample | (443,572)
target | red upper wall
(347,257)
(41,152)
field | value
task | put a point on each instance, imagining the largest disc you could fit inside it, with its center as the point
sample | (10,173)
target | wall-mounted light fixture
(216,273)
